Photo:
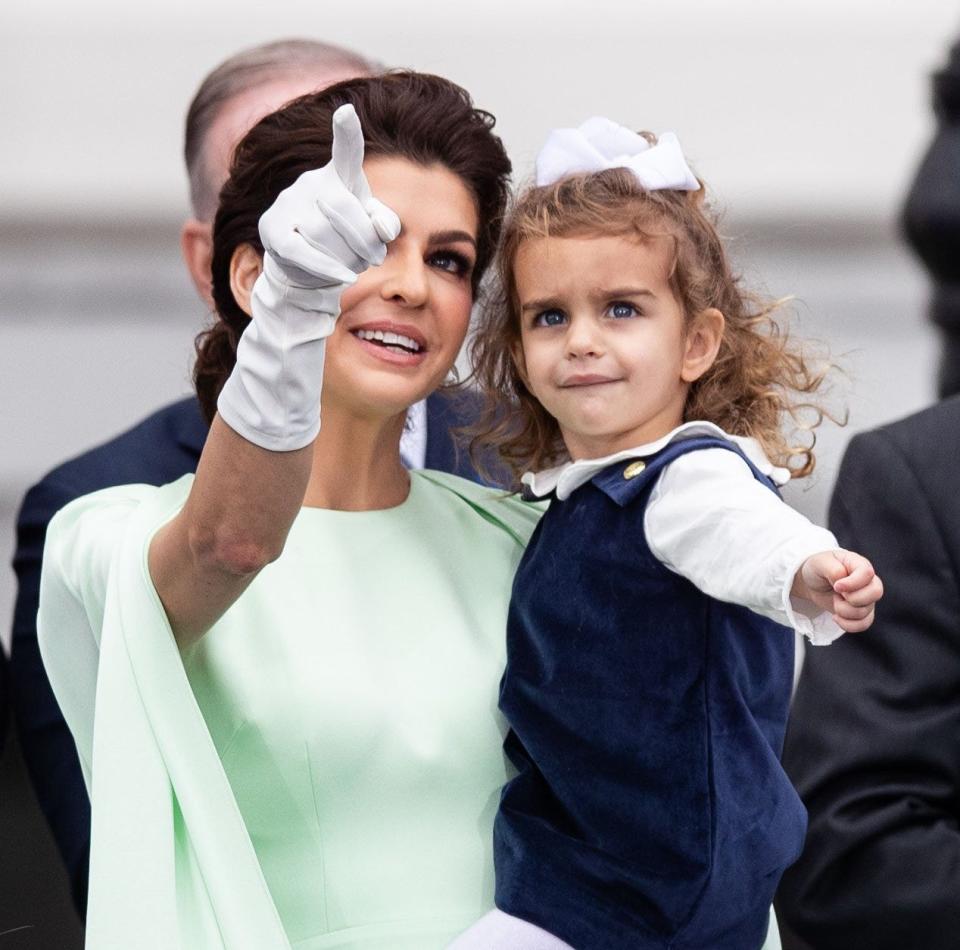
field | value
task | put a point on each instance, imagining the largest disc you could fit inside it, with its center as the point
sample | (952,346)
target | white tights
(500,931)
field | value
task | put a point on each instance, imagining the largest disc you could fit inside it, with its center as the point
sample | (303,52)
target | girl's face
(402,324)
(605,345)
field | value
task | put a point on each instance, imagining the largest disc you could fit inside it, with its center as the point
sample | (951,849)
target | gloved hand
(317,236)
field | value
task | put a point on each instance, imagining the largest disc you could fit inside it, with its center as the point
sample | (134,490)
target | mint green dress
(322,769)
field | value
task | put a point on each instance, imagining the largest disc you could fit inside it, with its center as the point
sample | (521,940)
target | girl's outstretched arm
(711,521)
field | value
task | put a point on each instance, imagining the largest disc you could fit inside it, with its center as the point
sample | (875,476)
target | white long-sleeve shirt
(710,521)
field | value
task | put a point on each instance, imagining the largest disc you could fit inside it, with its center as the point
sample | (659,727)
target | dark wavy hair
(423,118)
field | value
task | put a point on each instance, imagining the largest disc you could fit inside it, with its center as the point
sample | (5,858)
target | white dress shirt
(710,521)
(413,441)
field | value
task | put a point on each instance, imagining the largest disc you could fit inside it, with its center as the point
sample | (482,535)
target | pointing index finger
(347,151)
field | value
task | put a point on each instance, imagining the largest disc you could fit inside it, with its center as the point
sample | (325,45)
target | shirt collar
(413,442)
(567,478)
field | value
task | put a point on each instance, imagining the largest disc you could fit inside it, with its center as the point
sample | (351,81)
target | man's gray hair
(246,70)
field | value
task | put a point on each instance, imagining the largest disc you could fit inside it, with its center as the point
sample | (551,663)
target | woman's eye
(549,318)
(620,310)
(451,262)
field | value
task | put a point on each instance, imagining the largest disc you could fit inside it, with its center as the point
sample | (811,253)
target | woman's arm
(235,522)
(318,235)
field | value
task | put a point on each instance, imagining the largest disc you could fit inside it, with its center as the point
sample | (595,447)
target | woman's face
(402,324)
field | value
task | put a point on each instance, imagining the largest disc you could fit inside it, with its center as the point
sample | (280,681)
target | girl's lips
(586,379)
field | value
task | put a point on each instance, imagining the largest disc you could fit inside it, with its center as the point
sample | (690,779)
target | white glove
(317,236)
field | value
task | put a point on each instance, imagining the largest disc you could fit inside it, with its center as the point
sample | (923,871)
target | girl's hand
(842,582)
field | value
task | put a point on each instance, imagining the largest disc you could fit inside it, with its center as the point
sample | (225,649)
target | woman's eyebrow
(452,237)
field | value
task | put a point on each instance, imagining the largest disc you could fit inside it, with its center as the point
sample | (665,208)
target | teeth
(388,338)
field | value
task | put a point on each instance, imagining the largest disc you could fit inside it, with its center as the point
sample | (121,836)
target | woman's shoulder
(503,508)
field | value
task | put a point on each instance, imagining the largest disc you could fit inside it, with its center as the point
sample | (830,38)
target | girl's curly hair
(761,382)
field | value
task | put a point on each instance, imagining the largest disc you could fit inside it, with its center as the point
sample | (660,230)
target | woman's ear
(245,267)
(702,344)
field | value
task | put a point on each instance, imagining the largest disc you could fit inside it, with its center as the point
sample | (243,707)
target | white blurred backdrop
(807,119)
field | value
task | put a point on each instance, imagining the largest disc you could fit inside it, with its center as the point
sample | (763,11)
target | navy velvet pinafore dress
(650,809)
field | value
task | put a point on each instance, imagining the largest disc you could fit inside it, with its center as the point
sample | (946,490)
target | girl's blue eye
(620,310)
(549,318)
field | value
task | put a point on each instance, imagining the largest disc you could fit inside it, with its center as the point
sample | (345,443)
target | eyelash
(539,319)
(462,265)
(634,312)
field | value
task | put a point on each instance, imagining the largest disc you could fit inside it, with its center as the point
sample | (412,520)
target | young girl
(650,655)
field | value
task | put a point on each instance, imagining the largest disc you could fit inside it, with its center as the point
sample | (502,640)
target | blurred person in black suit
(167,444)
(873,744)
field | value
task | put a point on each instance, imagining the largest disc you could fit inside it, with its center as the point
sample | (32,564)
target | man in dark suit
(874,738)
(167,444)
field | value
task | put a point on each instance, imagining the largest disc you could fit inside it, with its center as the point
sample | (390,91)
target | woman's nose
(404,278)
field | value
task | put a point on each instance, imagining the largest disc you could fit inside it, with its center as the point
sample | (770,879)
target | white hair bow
(599,144)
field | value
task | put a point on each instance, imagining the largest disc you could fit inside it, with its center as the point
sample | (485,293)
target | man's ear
(702,344)
(196,246)
(245,267)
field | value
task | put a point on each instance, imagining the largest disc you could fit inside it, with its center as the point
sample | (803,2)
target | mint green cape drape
(172,861)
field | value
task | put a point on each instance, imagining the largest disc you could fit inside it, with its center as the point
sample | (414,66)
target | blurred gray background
(807,119)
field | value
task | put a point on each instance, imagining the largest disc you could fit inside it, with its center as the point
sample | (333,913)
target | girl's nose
(583,339)
(403,278)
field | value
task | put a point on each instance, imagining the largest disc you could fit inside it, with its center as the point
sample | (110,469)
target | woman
(326,772)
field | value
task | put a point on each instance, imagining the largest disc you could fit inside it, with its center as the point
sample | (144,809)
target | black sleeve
(47,745)
(873,743)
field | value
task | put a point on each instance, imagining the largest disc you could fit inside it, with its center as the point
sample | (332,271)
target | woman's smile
(399,343)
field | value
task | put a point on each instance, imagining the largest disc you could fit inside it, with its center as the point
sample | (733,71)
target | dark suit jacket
(874,738)
(159,449)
